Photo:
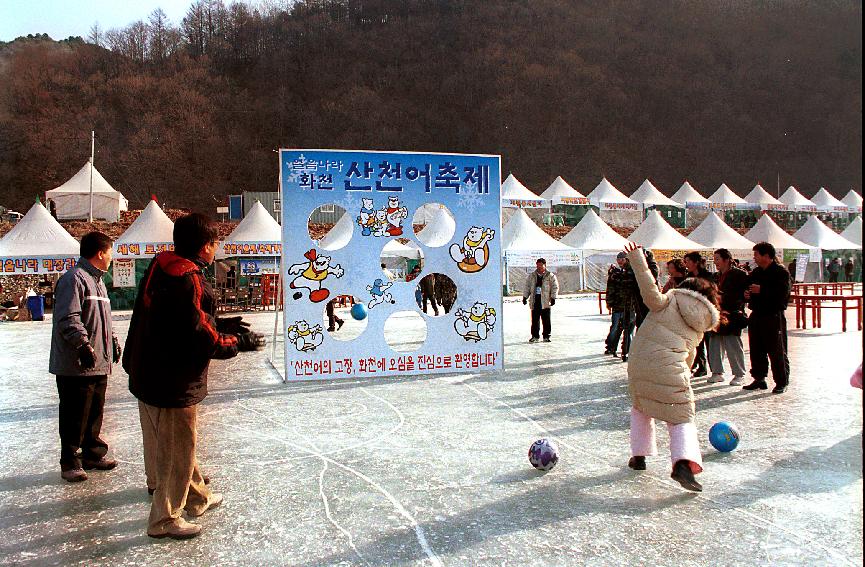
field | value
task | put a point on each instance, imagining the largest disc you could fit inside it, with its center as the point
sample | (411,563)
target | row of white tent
(515,194)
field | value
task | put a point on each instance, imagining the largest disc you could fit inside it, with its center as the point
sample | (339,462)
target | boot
(683,475)
(638,463)
(177,529)
(756,384)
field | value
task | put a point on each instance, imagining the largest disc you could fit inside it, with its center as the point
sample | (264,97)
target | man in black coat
(768,294)
(172,337)
(696,266)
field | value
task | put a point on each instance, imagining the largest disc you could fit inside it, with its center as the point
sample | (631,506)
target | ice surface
(422,470)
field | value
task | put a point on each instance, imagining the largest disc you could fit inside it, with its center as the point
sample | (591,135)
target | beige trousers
(169,463)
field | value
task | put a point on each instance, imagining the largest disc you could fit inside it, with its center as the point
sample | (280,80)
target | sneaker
(683,475)
(176,529)
(715,378)
(74,475)
(779,389)
(213,502)
(756,384)
(547,339)
(534,340)
(103,464)
(637,463)
(737,381)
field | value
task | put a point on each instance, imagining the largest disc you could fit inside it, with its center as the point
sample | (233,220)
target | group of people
(833,268)
(173,335)
(697,312)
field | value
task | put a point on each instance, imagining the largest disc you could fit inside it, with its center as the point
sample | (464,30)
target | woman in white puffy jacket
(659,368)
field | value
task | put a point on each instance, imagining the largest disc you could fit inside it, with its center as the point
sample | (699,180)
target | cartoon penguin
(475,324)
(379,293)
(474,253)
(311,274)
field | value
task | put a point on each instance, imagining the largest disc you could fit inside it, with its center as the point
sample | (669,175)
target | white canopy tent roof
(793,198)
(656,234)
(72,199)
(853,233)
(395,249)
(606,193)
(767,231)
(687,194)
(818,235)
(38,235)
(512,189)
(725,195)
(852,199)
(760,196)
(713,232)
(825,199)
(592,233)
(560,189)
(649,196)
(522,234)
(152,227)
(439,230)
(257,226)
(339,235)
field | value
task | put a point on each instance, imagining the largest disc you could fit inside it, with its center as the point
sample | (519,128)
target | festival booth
(523,242)
(151,233)
(854,204)
(615,208)
(664,241)
(822,238)
(830,210)
(567,205)
(733,209)
(787,247)
(516,196)
(798,209)
(252,253)
(652,199)
(72,199)
(714,233)
(696,206)
(853,233)
(768,205)
(598,245)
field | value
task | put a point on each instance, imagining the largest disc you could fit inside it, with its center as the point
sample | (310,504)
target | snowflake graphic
(293,177)
(350,203)
(470,198)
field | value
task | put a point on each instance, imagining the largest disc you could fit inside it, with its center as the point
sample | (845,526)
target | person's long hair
(708,290)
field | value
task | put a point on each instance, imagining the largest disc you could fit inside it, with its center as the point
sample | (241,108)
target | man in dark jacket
(172,337)
(768,294)
(637,312)
(428,292)
(619,301)
(732,282)
(83,346)
(696,266)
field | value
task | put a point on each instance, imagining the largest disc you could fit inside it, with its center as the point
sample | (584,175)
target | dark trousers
(332,319)
(622,323)
(833,277)
(82,400)
(427,297)
(539,315)
(767,338)
(700,357)
(630,320)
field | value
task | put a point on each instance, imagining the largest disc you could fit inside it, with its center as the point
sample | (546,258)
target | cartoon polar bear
(303,337)
(475,324)
(474,253)
(380,223)
(311,274)
(366,219)
(395,215)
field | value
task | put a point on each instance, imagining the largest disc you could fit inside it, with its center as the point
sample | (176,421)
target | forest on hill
(730,91)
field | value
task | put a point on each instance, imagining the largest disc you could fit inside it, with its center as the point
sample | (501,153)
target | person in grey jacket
(540,292)
(83,348)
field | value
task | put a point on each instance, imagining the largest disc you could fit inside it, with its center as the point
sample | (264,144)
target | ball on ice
(358,311)
(543,454)
(724,436)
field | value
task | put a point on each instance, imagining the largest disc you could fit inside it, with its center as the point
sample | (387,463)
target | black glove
(552,301)
(231,325)
(250,341)
(525,301)
(85,357)
(117,350)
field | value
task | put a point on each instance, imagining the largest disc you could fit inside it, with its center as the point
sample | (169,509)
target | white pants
(684,443)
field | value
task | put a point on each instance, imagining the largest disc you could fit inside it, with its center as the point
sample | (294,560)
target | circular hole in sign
(433,224)
(330,226)
(405,331)
(345,317)
(401,260)
(436,294)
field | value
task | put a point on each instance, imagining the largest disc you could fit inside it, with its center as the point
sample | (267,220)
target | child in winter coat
(659,369)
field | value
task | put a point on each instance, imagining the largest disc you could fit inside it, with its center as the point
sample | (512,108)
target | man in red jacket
(172,337)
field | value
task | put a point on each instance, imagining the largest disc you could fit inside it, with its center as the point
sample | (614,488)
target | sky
(63,18)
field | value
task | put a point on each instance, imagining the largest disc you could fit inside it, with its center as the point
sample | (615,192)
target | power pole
(92,151)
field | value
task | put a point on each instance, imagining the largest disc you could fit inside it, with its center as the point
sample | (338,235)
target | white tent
(73,197)
(561,192)
(605,192)
(439,230)
(760,196)
(151,233)
(818,235)
(592,233)
(687,194)
(395,249)
(715,233)
(515,194)
(258,234)
(339,235)
(523,242)
(522,235)
(656,234)
(37,244)
(826,200)
(853,199)
(853,233)
(792,198)
(767,231)
(725,195)
(649,196)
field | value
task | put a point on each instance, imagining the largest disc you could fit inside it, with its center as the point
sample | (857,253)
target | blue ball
(543,454)
(358,311)
(724,436)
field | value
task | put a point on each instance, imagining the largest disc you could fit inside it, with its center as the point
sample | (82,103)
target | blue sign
(384,194)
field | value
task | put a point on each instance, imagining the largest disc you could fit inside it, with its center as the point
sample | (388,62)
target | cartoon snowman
(476,323)
(311,274)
